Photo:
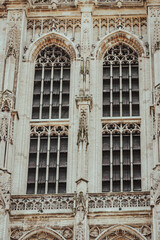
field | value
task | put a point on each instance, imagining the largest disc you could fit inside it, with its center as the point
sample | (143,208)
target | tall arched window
(120,82)
(121,163)
(47,171)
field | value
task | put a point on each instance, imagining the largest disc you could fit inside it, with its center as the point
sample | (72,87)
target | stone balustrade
(30,204)
(119,201)
(33,204)
(97,2)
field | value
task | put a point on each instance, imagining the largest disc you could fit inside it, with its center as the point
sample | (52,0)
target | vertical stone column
(8,114)
(154,41)
(5,189)
(9,86)
(84,106)
(16,38)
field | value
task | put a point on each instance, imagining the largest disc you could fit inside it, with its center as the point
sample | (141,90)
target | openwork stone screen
(120,82)
(51,84)
(121,164)
(47,170)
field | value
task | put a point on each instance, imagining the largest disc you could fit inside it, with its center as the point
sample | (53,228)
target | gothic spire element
(83,127)
(84,72)
(84,104)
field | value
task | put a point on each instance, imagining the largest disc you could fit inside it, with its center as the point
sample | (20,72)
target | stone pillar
(5,190)
(84,106)
(15,43)
(154,42)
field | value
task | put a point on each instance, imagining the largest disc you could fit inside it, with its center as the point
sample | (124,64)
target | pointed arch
(48,231)
(117,37)
(121,229)
(47,40)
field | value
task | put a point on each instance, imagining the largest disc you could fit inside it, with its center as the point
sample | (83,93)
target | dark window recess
(121,160)
(120,82)
(51,85)
(46,166)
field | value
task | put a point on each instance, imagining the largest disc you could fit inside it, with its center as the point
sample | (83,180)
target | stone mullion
(47,165)
(111,162)
(37,164)
(60,93)
(58,161)
(51,93)
(41,94)
(121,159)
(130,90)
(120,81)
(111,90)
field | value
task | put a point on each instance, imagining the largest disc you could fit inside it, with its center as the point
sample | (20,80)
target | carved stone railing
(62,3)
(33,204)
(118,201)
(122,2)
(65,203)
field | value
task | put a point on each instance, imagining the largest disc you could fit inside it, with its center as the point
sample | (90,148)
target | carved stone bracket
(155,185)
(13,42)
(157,95)
(7,115)
(5,189)
(7,100)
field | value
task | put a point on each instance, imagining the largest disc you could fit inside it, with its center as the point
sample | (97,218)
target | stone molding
(47,40)
(116,37)
(121,231)
(48,231)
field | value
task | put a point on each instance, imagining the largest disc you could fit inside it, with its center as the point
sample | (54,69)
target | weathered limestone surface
(86,30)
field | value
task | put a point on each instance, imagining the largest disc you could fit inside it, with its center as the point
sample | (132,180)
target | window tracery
(47,170)
(121,157)
(120,82)
(51,84)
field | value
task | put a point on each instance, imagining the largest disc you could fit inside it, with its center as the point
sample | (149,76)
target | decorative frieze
(104,26)
(40,130)
(121,128)
(68,27)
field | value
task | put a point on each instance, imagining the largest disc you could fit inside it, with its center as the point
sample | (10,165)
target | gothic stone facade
(85,30)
